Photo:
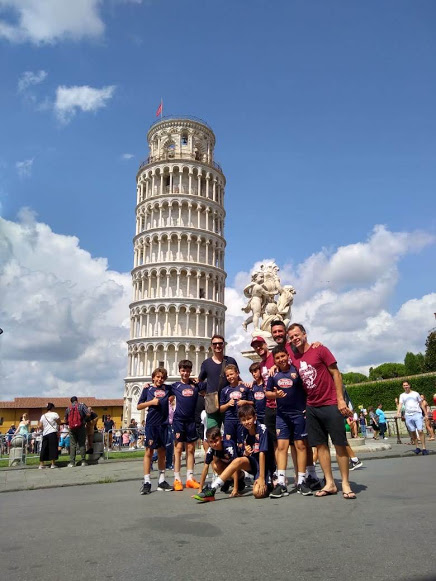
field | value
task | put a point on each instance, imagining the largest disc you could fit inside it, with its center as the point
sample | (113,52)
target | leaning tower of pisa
(178,273)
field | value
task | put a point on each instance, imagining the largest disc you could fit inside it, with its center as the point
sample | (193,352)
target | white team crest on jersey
(308,375)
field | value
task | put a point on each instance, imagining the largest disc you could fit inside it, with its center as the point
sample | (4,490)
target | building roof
(59,402)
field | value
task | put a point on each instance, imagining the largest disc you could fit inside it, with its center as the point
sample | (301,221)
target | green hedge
(385,391)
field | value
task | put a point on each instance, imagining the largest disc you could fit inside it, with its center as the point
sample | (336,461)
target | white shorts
(414,422)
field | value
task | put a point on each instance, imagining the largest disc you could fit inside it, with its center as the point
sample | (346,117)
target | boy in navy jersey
(287,389)
(233,396)
(185,430)
(258,458)
(258,390)
(155,398)
(220,454)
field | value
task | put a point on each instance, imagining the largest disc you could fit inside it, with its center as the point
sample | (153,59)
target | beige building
(178,274)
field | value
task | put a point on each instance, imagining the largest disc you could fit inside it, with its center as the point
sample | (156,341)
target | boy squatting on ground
(258,459)
(155,397)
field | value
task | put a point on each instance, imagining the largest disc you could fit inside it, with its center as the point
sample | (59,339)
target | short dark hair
(279,349)
(73,399)
(217,337)
(185,363)
(213,433)
(50,406)
(246,411)
(254,367)
(278,322)
(299,325)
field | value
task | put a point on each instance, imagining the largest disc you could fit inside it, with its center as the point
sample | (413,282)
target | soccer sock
(281,475)
(161,476)
(189,474)
(177,476)
(301,476)
(147,479)
(218,482)
(310,470)
(355,459)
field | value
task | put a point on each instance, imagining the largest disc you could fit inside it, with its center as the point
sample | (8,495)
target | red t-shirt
(265,366)
(317,380)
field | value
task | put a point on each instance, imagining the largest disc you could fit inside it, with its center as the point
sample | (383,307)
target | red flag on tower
(159,109)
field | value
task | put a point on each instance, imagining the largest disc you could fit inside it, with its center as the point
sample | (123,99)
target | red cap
(258,339)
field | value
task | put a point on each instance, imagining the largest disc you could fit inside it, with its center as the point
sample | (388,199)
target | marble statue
(268,300)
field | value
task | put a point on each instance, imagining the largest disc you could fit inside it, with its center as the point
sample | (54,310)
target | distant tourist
(49,424)
(381,421)
(76,416)
(428,417)
(413,409)
(109,427)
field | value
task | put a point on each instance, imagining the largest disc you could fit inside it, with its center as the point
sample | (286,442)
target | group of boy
(297,391)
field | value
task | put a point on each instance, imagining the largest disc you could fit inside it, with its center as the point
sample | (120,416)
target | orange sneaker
(177,486)
(192,483)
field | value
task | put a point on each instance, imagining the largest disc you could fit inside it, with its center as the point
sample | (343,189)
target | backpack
(74,417)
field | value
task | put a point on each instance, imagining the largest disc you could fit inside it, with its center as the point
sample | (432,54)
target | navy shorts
(323,422)
(233,431)
(290,428)
(156,436)
(185,431)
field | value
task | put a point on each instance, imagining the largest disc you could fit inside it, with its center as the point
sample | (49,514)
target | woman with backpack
(49,424)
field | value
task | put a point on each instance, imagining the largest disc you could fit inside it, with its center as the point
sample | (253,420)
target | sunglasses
(220,344)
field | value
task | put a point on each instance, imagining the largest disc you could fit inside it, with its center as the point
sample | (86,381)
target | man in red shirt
(326,407)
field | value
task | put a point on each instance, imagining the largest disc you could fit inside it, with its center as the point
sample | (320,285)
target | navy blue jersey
(259,399)
(186,395)
(157,414)
(260,441)
(236,393)
(289,382)
(227,454)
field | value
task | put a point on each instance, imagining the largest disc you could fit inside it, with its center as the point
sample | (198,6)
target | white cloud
(88,99)
(28,79)
(65,315)
(343,298)
(50,21)
(24,168)
(127,156)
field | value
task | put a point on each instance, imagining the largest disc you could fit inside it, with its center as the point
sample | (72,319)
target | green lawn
(64,458)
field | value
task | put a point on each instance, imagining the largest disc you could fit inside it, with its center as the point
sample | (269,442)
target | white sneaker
(71,465)
(83,463)
(41,467)
(54,466)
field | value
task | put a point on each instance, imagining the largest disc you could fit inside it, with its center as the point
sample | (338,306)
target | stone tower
(178,273)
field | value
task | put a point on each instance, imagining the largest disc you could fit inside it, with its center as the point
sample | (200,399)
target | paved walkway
(106,471)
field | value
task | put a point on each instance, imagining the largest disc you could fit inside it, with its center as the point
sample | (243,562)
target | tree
(430,352)
(414,364)
(353,377)
(387,371)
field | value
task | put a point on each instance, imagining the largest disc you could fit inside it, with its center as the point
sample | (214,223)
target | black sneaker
(226,486)
(145,488)
(206,495)
(304,489)
(90,451)
(313,483)
(241,485)
(279,491)
(356,464)
(164,487)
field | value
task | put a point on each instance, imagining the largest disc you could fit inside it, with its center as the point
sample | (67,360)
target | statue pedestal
(252,355)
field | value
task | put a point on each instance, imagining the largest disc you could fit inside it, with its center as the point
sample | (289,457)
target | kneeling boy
(258,459)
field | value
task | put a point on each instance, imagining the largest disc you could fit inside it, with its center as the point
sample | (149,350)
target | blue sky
(325,124)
